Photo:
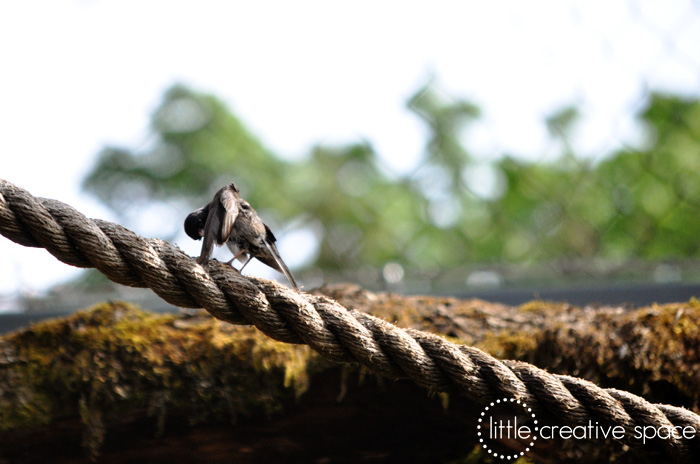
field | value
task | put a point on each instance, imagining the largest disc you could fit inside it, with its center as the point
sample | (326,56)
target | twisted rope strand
(335,332)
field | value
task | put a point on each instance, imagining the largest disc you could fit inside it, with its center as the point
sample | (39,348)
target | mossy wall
(115,381)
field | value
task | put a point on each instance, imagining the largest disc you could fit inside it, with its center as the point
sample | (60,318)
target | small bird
(231,220)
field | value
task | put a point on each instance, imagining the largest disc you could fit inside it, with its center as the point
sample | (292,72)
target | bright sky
(77,75)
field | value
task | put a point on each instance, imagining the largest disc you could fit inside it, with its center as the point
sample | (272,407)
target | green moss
(652,351)
(114,360)
(664,344)
(541,306)
(24,409)
(102,362)
(510,344)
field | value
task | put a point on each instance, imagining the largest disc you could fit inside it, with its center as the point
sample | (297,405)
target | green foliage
(196,143)
(634,203)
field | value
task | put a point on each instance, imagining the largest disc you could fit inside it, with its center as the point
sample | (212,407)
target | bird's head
(194,223)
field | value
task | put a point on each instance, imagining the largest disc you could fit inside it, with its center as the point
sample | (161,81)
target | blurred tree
(358,213)
(560,126)
(196,144)
(654,192)
(446,119)
(634,203)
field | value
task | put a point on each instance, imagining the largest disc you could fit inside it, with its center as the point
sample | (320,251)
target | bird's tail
(283,267)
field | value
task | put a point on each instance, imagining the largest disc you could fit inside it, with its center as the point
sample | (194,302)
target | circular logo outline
(481,438)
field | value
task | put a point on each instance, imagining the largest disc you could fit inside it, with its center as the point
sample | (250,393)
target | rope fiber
(338,334)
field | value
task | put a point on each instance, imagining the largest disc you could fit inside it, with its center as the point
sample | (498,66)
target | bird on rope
(230,220)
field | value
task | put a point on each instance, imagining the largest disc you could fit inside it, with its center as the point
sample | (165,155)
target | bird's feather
(280,266)
(222,215)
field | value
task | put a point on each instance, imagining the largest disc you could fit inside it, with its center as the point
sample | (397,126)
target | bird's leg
(242,252)
(246,263)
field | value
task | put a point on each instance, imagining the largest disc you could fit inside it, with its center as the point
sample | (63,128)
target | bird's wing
(222,215)
(269,236)
(211,231)
(229,202)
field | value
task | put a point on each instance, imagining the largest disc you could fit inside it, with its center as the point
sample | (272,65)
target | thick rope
(335,332)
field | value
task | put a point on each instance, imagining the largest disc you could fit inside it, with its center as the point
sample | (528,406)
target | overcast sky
(77,75)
